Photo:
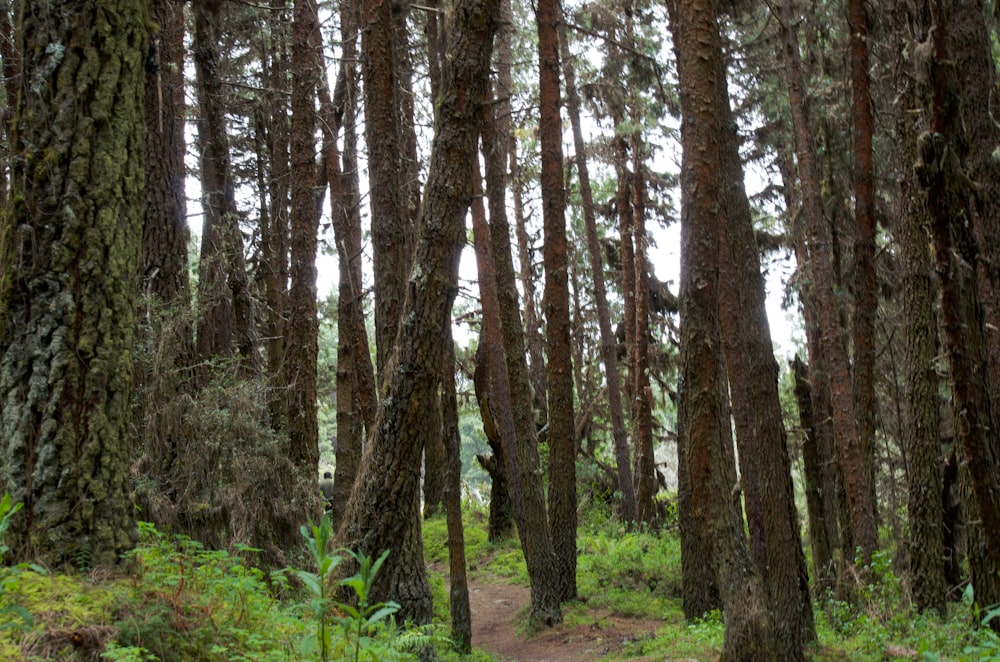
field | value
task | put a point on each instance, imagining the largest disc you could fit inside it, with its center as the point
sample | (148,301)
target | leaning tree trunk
(70,246)
(765,468)
(703,404)
(383,512)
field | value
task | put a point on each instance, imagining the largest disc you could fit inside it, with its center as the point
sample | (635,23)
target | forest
(428,330)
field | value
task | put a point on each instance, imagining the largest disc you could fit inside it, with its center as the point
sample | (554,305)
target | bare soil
(498,609)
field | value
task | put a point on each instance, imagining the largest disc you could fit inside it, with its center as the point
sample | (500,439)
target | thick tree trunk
(921,413)
(765,468)
(862,510)
(703,412)
(609,345)
(70,244)
(951,204)
(383,509)
(562,445)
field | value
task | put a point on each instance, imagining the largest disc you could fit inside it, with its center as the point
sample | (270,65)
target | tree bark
(559,369)
(765,468)
(703,412)
(383,509)
(70,244)
(849,452)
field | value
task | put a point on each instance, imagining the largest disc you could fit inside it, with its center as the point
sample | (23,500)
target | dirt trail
(495,610)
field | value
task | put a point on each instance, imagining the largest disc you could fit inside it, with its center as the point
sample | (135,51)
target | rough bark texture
(765,468)
(922,444)
(562,443)
(500,522)
(819,245)
(302,330)
(951,204)
(383,509)
(703,410)
(164,268)
(70,245)
(392,232)
(609,344)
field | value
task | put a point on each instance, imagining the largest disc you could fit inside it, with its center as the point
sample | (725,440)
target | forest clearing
(541,385)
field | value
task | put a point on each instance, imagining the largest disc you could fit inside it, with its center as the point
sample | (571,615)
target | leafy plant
(317,539)
(10,576)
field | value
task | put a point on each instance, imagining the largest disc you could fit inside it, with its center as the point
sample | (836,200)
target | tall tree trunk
(520,447)
(70,244)
(226,322)
(849,451)
(392,232)
(642,394)
(275,178)
(164,268)
(562,446)
(921,414)
(865,304)
(383,510)
(303,325)
(765,469)
(10,59)
(609,344)
(356,399)
(703,403)
(951,204)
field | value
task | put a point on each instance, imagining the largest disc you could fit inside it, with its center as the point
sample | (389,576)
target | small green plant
(364,619)
(317,539)
(10,576)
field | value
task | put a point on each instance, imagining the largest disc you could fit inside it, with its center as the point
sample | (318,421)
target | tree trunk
(500,521)
(865,303)
(922,424)
(824,569)
(70,242)
(383,509)
(303,325)
(765,469)
(226,321)
(849,452)
(703,411)
(164,268)
(950,202)
(562,445)
(520,445)
(392,232)
(458,584)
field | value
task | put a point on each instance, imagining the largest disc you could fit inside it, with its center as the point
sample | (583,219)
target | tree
(70,246)
(819,246)
(703,415)
(382,512)
(609,344)
(559,370)
(303,326)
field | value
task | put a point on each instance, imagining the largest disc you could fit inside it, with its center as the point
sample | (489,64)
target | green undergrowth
(175,599)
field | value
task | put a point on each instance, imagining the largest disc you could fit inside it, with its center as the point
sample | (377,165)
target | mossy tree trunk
(70,240)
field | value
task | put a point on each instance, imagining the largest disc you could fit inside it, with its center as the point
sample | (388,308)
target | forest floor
(499,612)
